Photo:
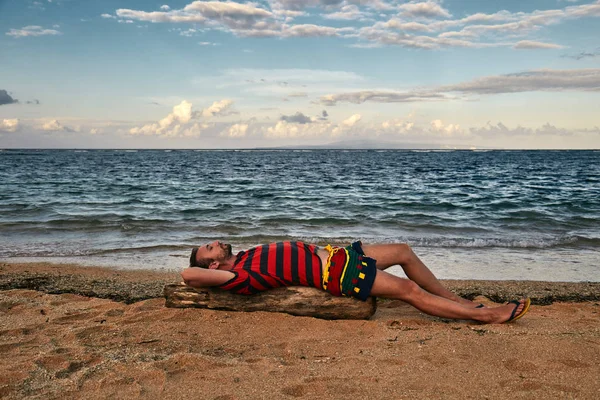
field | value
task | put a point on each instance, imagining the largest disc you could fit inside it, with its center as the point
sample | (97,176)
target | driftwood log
(294,300)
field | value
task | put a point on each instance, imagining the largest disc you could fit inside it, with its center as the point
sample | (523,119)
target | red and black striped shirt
(274,265)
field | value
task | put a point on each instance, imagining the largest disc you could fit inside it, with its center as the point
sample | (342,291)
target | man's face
(215,251)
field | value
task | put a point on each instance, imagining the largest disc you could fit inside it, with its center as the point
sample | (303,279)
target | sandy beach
(75,332)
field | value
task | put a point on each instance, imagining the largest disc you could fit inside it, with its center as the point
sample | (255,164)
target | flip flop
(517,303)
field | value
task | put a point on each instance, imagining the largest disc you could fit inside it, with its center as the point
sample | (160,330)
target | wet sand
(74,332)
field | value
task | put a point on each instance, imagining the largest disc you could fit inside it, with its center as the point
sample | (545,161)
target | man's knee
(409,290)
(403,252)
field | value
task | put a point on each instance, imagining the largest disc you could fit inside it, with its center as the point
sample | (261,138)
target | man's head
(211,255)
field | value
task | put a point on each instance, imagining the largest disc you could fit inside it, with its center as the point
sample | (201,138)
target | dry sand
(74,346)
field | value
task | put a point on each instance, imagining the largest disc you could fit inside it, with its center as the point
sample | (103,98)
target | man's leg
(401,254)
(392,287)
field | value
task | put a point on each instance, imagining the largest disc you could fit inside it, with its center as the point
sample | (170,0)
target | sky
(277,73)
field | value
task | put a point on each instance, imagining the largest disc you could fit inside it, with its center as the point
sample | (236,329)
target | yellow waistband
(325,275)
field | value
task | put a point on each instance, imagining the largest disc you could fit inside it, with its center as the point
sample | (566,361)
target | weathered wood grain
(294,300)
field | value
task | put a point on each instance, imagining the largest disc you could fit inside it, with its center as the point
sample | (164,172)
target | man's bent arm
(201,277)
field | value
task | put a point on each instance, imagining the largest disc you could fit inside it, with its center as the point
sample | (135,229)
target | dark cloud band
(6,98)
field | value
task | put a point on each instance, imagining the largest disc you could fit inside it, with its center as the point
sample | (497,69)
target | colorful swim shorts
(349,272)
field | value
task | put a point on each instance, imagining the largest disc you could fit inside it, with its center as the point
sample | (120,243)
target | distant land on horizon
(371,145)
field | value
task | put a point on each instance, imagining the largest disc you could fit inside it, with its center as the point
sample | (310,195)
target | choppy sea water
(468,214)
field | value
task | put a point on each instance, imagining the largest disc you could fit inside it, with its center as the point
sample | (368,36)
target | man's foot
(520,309)
(508,312)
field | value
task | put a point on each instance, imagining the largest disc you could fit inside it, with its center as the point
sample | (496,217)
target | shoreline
(130,286)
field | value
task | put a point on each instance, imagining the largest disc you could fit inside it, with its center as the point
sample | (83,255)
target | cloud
(445,129)
(32,30)
(160,16)
(434,130)
(224,10)
(170,125)
(297,118)
(407,26)
(9,125)
(309,30)
(547,129)
(182,112)
(282,130)
(247,20)
(236,131)
(431,130)
(393,24)
(406,128)
(219,108)
(346,125)
(37,5)
(108,16)
(429,9)
(531,81)
(440,130)
(583,54)
(6,98)
(296,5)
(476,30)
(195,130)
(281,7)
(381,97)
(229,14)
(530,44)
(353,120)
(347,12)
(397,126)
(545,80)
(55,126)
(380,36)
(286,130)
(181,121)
(188,33)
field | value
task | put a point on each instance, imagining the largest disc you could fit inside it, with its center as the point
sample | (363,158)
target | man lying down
(356,270)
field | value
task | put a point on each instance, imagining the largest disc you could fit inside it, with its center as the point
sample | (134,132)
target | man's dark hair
(202,263)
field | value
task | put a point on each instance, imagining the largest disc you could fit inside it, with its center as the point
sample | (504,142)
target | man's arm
(201,277)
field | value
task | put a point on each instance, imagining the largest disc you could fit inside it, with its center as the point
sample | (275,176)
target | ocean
(532,215)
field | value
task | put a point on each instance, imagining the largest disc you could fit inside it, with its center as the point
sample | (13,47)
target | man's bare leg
(401,254)
(393,287)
